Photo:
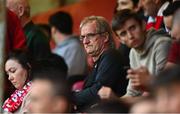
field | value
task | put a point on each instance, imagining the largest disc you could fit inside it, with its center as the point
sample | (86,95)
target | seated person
(18,67)
(96,36)
(50,91)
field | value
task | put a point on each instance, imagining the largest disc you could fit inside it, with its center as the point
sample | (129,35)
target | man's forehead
(128,23)
(89,26)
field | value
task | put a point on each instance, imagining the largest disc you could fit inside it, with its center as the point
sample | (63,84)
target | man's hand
(106,93)
(139,78)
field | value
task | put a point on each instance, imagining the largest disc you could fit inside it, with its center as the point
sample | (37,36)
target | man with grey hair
(37,42)
(96,36)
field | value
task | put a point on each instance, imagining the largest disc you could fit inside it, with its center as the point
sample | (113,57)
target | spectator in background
(174,54)
(18,67)
(154,9)
(96,36)
(37,42)
(15,37)
(67,45)
(127,4)
(50,92)
(175,26)
(167,17)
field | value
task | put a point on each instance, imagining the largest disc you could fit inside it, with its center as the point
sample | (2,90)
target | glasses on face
(89,36)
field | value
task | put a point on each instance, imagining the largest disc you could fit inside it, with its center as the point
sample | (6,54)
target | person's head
(175,33)
(168,14)
(60,22)
(20,7)
(166,89)
(45,28)
(126,4)
(144,105)
(151,7)
(17,67)
(55,61)
(50,92)
(96,35)
(128,26)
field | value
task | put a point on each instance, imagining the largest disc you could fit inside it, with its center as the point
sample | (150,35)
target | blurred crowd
(89,72)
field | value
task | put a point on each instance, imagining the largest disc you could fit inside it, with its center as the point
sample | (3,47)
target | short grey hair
(102,25)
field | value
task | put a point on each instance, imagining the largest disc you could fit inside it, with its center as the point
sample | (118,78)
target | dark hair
(62,21)
(167,77)
(135,2)
(171,8)
(22,56)
(45,28)
(122,16)
(53,60)
(43,71)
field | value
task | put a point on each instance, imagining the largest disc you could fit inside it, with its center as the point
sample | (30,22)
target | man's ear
(21,10)
(106,36)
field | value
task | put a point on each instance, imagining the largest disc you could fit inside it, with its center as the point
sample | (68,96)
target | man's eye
(90,35)
(122,34)
(132,28)
(82,38)
(124,3)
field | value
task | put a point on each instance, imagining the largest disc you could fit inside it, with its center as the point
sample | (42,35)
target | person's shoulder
(157,33)
(111,52)
(159,36)
(113,55)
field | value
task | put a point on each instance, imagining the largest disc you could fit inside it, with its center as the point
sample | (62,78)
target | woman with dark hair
(17,67)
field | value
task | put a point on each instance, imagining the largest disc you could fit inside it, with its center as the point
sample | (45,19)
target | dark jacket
(37,42)
(107,71)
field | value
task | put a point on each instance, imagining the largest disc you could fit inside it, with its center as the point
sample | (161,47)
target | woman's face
(16,73)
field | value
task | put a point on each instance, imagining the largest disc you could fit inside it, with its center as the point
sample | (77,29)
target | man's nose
(85,40)
(129,34)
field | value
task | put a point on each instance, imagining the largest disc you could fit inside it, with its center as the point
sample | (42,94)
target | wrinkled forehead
(128,23)
(90,26)
(88,23)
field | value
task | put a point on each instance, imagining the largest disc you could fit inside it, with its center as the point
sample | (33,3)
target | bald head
(20,7)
